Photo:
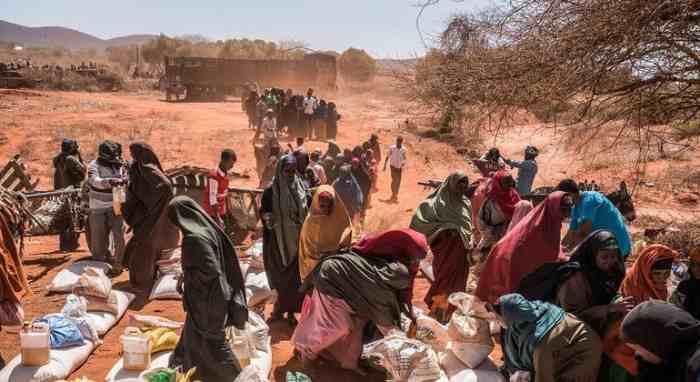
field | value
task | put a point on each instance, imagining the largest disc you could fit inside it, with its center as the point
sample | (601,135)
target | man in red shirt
(217,187)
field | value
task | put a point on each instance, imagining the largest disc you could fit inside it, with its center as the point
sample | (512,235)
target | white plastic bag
(259,332)
(468,330)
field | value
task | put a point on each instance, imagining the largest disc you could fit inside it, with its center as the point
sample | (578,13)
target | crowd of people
(569,308)
(276,111)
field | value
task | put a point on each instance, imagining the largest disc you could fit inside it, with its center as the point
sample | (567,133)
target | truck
(214,78)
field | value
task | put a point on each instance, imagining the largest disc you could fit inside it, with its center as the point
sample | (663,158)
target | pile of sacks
(90,311)
(258,292)
(457,352)
(169,267)
(257,287)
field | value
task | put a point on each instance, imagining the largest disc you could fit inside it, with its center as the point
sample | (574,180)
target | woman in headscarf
(326,230)
(588,292)
(666,339)
(646,280)
(69,171)
(213,294)
(284,208)
(349,191)
(373,282)
(522,208)
(687,295)
(333,150)
(147,197)
(445,220)
(363,180)
(497,210)
(542,339)
(533,242)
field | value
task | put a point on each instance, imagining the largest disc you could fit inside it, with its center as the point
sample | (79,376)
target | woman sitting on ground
(532,243)
(497,210)
(666,339)
(543,340)
(646,280)
(588,292)
(373,282)
(326,230)
(445,220)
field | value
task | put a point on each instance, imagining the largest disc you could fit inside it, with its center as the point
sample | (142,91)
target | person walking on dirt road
(396,158)
(310,105)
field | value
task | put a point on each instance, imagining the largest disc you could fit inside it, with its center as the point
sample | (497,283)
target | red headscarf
(506,199)
(404,245)
(535,240)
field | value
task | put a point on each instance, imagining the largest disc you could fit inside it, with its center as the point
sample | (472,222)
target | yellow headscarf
(323,234)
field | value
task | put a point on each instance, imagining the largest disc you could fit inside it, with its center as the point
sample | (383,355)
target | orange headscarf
(323,234)
(638,282)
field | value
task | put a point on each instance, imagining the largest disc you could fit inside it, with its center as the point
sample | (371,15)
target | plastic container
(35,345)
(136,350)
(118,197)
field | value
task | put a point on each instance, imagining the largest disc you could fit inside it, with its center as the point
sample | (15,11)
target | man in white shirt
(396,157)
(310,105)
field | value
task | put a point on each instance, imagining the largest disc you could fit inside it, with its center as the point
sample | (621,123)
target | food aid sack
(468,330)
(68,278)
(432,333)
(258,290)
(250,373)
(143,321)
(165,288)
(93,282)
(405,359)
(259,332)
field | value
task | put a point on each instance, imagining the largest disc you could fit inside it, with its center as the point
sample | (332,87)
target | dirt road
(194,133)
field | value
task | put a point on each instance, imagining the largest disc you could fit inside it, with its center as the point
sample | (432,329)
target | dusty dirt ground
(194,133)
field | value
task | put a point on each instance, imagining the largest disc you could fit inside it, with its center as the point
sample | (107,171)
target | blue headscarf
(528,323)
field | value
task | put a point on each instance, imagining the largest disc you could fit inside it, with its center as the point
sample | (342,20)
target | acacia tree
(635,61)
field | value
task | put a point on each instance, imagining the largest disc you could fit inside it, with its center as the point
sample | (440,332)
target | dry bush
(683,237)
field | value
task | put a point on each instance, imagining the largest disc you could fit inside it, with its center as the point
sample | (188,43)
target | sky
(384,28)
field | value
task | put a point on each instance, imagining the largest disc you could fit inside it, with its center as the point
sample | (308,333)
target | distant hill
(62,37)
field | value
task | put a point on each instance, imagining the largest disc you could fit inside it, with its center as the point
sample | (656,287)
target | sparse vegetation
(357,65)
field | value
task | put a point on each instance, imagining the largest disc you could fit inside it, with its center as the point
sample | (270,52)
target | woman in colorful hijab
(542,339)
(646,280)
(497,210)
(326,230)
(666,340)
(284,208)
(532,243)
(373,282)
(445,220)
(147,197)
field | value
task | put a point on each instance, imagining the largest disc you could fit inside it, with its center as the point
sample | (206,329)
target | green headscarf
(446,208)
(289,209)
